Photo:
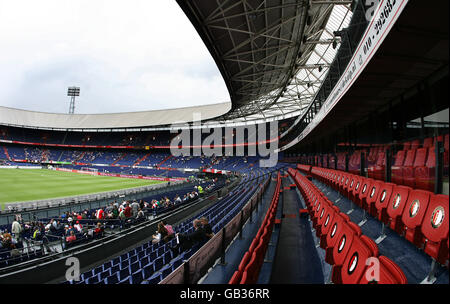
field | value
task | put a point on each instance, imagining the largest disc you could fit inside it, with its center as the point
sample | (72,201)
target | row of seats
(418,215)
(250,265)
(351,254)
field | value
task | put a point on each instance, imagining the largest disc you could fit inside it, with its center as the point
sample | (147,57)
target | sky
(125,56)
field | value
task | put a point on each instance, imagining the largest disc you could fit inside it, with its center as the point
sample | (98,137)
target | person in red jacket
(127,210)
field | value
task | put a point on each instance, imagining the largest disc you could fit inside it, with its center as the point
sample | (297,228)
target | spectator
(78,226)
(71,237)
(135,208)
(115,212)
(206,228)
(186,241)
(140,214)
(127,210)
(161,234)
(99,229)
(16,229)
(100,214)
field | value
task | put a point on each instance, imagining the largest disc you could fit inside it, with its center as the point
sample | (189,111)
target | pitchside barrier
(198,264)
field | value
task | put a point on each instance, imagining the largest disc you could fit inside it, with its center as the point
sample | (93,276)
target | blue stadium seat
(136,278)
(135,267)
(158,264)
(112,279)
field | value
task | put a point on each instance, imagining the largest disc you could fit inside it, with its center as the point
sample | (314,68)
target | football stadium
(327,163)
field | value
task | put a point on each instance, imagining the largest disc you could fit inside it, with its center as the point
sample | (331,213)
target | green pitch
(18,185)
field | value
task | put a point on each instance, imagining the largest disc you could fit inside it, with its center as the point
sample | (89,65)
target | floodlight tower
(72,92)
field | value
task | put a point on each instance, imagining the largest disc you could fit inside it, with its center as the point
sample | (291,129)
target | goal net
(87,169)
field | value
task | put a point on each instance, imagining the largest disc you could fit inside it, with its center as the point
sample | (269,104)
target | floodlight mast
(73,92)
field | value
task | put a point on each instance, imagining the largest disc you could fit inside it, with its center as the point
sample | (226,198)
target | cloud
(125,56)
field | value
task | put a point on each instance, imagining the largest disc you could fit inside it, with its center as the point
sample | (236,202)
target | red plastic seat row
(250,265)
(347,250)
(418,215)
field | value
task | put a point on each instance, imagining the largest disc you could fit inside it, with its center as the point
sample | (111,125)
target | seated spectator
(161,233)
(71,237)
(99,229)
(140,214)
(127,210)
(78,226)
(186,241)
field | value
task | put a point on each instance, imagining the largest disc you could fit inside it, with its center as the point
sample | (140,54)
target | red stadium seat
(326,214)
(368,202)
(428,142)
(236,278)
(383,199)
(415,144)
(397,167)
(365,186)
(351,185)
(406,145)
(413,215)
(356,188)
(425,175)
(251,272)
(328,240)
(388,273)
(336,254)
(396,206)
(435,228)
(354,265)
(408,171)
(379,168)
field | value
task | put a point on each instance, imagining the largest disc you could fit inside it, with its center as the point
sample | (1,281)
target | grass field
(35,184)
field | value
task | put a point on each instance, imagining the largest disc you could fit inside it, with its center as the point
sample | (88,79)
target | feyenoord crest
(437,217)
(342,243)
(414,209)
(373,191)
(351,184)
(353,263)
(334,230)
(326,221)
(383,196)
(397,200)
(364,188)
(323,211)
(357,186)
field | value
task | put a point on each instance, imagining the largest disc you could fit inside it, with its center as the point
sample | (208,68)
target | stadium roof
(273,56)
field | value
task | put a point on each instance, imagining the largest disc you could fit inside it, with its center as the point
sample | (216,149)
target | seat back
(383,197)
(251,271)
(409,158)
(336,225)
(415,144)
(396,206)
(365,187)
(431,159)
(374,192)
(421,157)
(354,265)
(343,244)
(388,273)
(400,158)
(357,187)
(413,215)
(427,142)
(435,228)
(415,208)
